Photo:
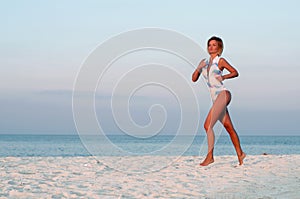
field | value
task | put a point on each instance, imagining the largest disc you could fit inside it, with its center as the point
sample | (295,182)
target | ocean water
(72,145)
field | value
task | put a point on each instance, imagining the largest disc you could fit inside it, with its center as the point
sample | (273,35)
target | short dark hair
(219,41)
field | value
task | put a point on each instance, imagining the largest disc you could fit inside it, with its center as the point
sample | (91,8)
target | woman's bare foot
(241,158)
(207,161)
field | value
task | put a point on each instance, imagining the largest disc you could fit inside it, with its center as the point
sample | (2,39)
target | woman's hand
(201,65)
(198,70)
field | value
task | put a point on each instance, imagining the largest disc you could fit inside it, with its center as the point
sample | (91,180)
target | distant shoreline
(118,134)
(115,145)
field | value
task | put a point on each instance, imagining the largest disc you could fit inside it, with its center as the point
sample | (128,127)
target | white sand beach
(261,176)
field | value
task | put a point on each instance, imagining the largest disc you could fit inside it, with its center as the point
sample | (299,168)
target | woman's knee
(229,128)
(207,127)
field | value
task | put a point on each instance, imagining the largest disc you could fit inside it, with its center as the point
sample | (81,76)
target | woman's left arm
(232,71)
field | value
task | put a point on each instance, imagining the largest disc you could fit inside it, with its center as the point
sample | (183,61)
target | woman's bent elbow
(195,76)
(194,79)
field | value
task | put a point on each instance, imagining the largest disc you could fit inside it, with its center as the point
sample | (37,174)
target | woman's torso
(210,73)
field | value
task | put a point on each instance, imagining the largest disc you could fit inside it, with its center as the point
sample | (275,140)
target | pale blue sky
(43,44)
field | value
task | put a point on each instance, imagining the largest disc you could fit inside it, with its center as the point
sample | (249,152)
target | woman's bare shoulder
(222,60)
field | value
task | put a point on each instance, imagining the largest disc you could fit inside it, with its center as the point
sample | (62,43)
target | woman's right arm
(196,75)
(198,70)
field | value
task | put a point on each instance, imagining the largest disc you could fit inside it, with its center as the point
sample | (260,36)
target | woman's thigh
(218,110)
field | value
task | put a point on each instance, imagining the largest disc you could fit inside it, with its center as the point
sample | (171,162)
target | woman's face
(213,47)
